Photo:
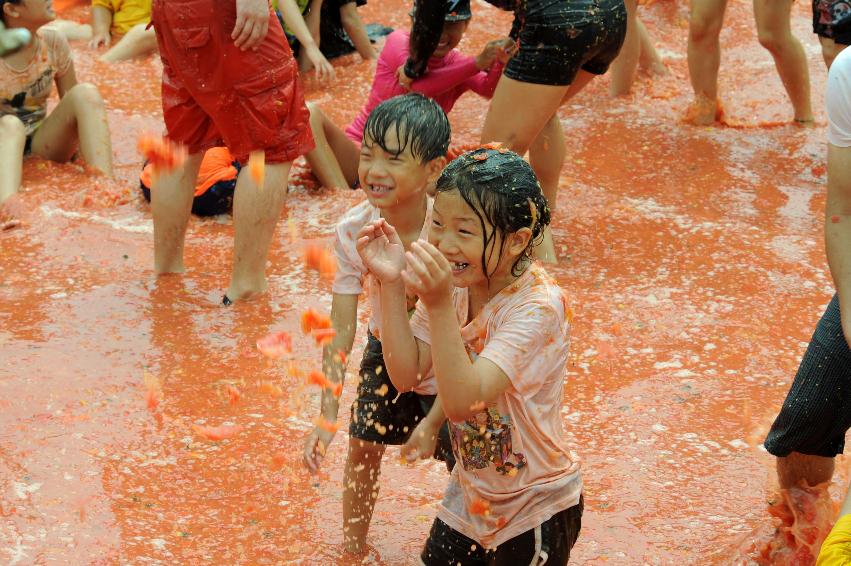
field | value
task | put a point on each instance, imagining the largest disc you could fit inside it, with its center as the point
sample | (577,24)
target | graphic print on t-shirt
(485,440)
(25,104)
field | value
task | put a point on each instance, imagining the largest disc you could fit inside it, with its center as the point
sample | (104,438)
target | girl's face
(457,232)
(451,37)
(30,14)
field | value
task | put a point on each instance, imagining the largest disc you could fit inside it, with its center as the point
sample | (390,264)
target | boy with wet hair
(405,140)
(449,75)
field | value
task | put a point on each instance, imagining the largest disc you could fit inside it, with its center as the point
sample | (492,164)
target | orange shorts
(213,93)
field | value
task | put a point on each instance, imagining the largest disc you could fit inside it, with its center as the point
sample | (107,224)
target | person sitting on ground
(214,186)
(335,26)
(26,81)
(127,22)
(449,75)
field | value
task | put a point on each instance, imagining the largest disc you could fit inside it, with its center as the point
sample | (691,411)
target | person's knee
(86,95)
(315,112)
(772,40)
(704,30)
(11,128)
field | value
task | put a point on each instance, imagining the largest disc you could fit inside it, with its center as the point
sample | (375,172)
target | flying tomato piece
(275,345)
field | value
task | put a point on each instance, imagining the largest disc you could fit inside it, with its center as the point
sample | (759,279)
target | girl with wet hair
(492,327)
(563,45)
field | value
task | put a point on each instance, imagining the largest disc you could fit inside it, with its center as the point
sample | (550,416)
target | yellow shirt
(836,548)
(126,13)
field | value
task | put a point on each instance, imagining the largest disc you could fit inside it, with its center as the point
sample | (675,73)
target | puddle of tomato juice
(692,257)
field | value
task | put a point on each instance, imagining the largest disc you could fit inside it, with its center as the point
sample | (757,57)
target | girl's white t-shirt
(515,469)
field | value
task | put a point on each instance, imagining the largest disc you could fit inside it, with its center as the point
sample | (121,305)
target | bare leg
(256,211)
(12,139)
(518,130)
(624,66)
(649,60)
(775,34)
(360,490)
(171,204)
(829,50)
(73,31)
(546,155)
(135,43)
(335,159)
(80,117)
(704,57)
(795,467)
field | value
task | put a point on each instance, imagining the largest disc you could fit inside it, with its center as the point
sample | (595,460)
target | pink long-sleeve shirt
(446,79)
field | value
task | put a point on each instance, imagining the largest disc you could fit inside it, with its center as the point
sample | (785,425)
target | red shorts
(214,93)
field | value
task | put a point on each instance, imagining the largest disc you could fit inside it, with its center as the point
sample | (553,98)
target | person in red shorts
(229,78)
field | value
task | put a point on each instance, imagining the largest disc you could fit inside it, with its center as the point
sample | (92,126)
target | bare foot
(704,111)
(12,212)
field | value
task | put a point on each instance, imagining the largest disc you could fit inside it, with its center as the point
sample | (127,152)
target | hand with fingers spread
(252,23)
(429,274)
(382,251)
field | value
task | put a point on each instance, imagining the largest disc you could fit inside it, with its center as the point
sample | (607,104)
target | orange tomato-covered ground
(694,262)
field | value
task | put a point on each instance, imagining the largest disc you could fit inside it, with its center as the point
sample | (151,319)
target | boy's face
(30,13)
(451,37)
(390,178)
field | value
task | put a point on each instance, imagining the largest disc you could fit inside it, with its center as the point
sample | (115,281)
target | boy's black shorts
(832,19)
(817,411)
(549,543)
(381,415)
(581,34)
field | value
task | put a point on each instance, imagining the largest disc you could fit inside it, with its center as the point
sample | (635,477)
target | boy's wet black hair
(419,122)
(500,187)
(3,5)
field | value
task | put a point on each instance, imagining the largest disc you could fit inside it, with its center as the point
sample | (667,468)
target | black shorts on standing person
(817,411)
(832,20)
(382,415)
(557,38)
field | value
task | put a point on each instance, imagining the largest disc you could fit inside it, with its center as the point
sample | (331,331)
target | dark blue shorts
(216,200)
(817,411)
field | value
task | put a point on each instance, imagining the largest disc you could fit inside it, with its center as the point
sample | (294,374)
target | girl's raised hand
(381,250)
(429,274)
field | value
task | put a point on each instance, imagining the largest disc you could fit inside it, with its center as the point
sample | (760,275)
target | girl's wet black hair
(501,188)
(419,122)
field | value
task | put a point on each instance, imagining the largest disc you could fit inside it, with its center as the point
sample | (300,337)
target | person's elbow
(349,15)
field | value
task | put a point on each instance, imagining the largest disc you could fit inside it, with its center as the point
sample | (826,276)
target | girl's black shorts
(554,46)
(548,543)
